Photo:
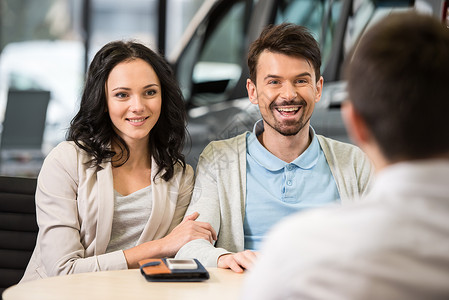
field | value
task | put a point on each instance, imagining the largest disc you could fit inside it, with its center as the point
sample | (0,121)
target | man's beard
(293,127)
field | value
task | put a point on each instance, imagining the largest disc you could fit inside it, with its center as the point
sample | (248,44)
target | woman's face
(133,94)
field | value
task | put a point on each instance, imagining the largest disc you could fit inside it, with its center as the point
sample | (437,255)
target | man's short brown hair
(289,39)
(398,82)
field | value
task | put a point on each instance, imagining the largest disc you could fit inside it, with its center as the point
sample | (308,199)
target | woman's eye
(121,95)
(151,92)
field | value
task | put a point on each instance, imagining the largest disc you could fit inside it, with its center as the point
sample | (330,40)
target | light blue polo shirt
(276,189)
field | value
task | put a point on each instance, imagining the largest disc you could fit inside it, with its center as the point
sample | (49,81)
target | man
(246,184)
(394,244)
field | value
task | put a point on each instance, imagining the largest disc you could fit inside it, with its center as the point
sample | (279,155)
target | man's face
(286,92)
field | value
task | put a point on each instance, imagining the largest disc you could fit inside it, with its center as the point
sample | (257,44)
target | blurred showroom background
(46,45)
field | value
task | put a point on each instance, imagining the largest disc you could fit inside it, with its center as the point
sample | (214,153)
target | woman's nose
(137,104)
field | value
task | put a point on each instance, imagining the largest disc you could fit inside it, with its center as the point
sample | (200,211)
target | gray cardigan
(220,191)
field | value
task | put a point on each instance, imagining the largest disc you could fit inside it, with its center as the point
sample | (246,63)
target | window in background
(219,60)
(321,17)
(42,47)
(210,64)
(41,50)
(122,20)
(138,19)
(179,15)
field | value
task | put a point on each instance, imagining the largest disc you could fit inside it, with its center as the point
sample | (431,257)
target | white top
(131,213)
(394,245)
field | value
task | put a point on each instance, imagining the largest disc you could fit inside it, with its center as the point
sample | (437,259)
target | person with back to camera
(244,185)
(394,244)
(117,190)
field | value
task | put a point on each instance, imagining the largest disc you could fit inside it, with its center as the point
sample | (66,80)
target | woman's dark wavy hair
(92,130)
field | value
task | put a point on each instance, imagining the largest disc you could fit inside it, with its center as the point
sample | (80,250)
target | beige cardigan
(220,191)
(75,206)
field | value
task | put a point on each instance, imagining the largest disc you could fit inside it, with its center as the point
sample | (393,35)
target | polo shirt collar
(307,160)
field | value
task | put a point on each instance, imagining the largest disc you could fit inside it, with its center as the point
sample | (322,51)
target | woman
(117,190)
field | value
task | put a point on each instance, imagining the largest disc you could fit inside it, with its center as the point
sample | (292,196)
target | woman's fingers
(191,217)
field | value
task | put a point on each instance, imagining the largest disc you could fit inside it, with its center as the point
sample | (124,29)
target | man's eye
(273,82)
(302,81)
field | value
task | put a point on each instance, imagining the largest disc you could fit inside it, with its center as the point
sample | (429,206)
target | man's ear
(361,135)
(355,125)
(319,89)
(252,91)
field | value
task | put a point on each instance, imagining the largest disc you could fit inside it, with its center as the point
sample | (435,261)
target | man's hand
(237,262)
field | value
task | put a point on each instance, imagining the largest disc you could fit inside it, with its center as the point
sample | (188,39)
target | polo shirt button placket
(290,175)
(289,170)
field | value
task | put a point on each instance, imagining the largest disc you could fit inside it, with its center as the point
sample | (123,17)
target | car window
(365,13)
(212,60)
(220,58)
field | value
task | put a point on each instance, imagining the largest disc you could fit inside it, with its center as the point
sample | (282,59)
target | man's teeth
(288,109)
